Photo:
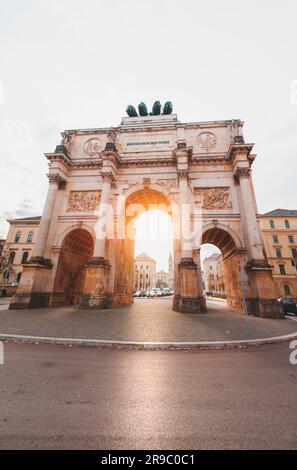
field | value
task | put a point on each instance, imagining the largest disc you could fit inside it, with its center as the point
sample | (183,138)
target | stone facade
(279,228)
(101,179)
(144,272)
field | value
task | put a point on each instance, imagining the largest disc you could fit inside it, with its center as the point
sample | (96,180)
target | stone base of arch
(95,289)
(31,292)
(190,298)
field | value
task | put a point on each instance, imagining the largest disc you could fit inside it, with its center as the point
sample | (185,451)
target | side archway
(76,250)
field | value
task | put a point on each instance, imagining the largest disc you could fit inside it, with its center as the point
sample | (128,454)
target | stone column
(263,295)
(242,176)
(96,285)
(186,251)
(55,181)
(100,242)
(189,299)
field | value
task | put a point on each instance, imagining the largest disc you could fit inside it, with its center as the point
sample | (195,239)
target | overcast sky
(78,63)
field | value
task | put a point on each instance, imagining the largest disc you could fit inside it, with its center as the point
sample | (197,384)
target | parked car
(166,291)
(289,306)
(209,293)
(136,294)
(143,293)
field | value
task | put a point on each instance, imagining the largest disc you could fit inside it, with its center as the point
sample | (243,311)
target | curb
(176,345)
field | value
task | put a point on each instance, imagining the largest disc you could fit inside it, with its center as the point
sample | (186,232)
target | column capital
(239,173)
(107,177)
(57,179)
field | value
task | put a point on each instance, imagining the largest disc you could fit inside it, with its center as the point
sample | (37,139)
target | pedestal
(96,294)
(31,293)
(264,302)
(190,299)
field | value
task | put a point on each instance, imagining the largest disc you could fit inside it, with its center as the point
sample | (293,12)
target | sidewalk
(148,320)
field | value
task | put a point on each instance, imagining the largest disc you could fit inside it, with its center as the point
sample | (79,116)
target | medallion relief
(83,201)
(207,140)
(93,147)
(213,198)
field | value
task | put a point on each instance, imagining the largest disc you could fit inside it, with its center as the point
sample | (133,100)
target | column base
(96,295)
(33,300)
(96,302)
(189,305)
(265,308)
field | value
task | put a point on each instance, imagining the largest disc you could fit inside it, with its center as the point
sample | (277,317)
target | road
(52,397)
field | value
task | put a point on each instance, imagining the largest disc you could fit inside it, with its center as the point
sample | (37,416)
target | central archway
(139,201)
(76,250)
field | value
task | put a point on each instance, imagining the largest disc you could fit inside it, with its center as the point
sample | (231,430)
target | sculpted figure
(168,108)
(156,109)
(111,135)
(142,109)
(131,111)
(66,138)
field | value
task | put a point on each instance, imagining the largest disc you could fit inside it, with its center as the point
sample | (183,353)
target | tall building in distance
(279,228)
(144,272)
(213,274)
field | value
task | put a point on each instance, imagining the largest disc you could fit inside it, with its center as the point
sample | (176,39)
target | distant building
(170,272)
(213,275)
(19,244)
(144,272)
(162,279)
(279,228)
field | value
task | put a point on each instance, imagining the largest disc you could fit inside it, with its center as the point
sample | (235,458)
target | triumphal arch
(101,179)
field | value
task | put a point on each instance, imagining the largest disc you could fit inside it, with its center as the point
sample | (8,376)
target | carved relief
(213,198)
(207,140)
(83,201)
(93,147)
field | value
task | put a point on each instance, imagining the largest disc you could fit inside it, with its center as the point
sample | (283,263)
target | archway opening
(76,250)
(153,254)
(144,250)
(222,260)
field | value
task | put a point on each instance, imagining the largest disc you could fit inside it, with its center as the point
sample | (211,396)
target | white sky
(78,63)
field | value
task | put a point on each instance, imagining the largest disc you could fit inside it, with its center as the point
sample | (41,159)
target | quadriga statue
(156,109)
(168,108)
(142,109)
(131,111)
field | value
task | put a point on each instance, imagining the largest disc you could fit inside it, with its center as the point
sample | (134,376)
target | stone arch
(62,235)
(234,260)
(76,250)
(122,251)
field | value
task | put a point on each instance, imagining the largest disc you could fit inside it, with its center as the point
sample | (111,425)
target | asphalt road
(52,397)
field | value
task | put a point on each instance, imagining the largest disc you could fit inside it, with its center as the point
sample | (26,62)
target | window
(287,289)
(278,252)
(30,237)
(275,238)
(11,257)
(291,239)
(17,237)
(18,277)
(282,269)
(25,257)
(294,252)
(287,224)
(271,223)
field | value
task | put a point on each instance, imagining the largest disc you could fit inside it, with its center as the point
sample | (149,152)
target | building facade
(101,179)
(18,247)
(213,273)
(144,272)
(162,279)
(279,228)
